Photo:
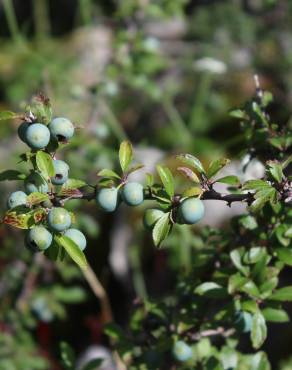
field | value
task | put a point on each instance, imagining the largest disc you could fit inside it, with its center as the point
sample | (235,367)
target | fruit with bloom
(38,238)
(132,194)
(77,237)
(17,198)
(61,172)
(107,199)
(59,219)
(22,128)
(182,351)
(61,129)
(37,136)
(191,211)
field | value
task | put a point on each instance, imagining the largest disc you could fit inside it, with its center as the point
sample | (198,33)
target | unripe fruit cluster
(40,237)
(109,199)
(189,211)
(38,135)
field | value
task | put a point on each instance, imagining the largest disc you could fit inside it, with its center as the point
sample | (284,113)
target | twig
(106,311)
(100,293)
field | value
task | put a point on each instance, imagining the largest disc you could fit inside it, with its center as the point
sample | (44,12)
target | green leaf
(45,164)
(216,165)
(194,191)
(287,162)
(249,222)
(108,173)
(11,175)
(282,294)
(255,185)
(259,361)
(6,115)
(275,170)
(161,229)
(267,98)
(254,254)
(275,315)
(189,174)
(258,330)
(262,197)
(114,331)
(288,233)
(211,289)
(36,198)
(235,282)
(230,180)
(238,113)
(191,161)
(149,179)
(68,294)
(73,184)
(251,289)
(125,155)
(93,364)
(166,179)
(135,168)
(67,355)
(236,257)
(72,249)
(285,255)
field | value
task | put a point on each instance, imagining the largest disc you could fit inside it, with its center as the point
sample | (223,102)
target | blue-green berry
(37,136)
(107,199)
(132,193)
(35,183)
(17,198)
(22,131)
(61,172)
(77,237)
(243,321)
(191,211)
(59,219)
(39,238)
(182,351)
(151,216)
(61,129)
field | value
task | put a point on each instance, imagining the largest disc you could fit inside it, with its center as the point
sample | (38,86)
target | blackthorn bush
(239,267)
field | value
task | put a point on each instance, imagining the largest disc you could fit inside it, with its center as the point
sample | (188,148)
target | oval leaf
(108,174)
(189,174)
(166,179)
(192,161)
(71,184)
(230,180)
(45,164)
(282,294)
(258,330)
(216,165)
(11,175)
(5,115)
(72,249)
(125,155)
(161,229)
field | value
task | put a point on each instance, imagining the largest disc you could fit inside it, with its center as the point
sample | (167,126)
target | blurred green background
(162,73)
